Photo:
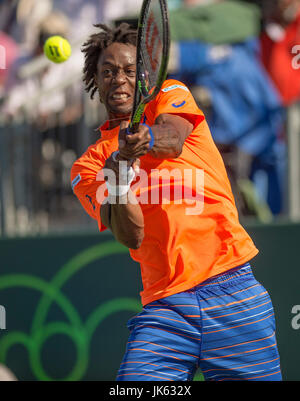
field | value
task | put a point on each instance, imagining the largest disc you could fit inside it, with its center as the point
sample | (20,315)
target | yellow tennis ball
(57,49)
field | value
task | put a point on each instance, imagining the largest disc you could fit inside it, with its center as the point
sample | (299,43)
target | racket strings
(152,54)
(152,44)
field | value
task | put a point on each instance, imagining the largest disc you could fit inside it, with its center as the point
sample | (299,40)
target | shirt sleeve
(175,98)
(88,183)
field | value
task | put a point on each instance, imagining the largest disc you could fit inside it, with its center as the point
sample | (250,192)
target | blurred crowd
(240,59)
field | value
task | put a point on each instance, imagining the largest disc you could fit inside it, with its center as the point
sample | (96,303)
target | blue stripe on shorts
(225,326)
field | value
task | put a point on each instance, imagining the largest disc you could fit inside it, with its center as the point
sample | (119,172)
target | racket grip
(133,129)
(136,127)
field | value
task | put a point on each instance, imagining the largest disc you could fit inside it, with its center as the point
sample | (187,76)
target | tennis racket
(152,55)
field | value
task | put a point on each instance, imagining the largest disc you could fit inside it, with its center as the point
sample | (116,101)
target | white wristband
(117,190)
(126,172)
(127,175)
(114,156)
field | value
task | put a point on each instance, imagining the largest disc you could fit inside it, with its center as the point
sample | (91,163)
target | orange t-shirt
(192,231)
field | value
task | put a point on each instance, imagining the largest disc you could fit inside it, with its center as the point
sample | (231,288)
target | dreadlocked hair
(93,47)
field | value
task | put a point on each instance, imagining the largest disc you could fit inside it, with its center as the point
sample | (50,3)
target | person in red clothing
(187,240)
(280,49)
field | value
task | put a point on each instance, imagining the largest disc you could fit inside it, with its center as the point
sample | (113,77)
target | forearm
(125,220)
(167,142)
(169,136)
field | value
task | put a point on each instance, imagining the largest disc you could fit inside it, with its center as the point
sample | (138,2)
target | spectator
(30,14)
(221,59)
(83,14)
(8,54)
(115,9)
(47,78)
(279,39)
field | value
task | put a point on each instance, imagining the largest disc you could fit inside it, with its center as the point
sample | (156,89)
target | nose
(120,77)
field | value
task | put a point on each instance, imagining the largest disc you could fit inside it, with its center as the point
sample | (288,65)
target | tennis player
(202,306)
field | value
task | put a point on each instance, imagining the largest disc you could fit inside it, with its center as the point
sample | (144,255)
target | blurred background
(239,58)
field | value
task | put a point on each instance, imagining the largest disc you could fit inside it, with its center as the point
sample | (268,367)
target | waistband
(236,272)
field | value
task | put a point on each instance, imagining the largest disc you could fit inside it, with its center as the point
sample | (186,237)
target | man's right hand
(133,146)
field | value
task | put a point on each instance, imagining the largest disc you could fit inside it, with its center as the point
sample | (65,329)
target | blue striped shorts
(225,326)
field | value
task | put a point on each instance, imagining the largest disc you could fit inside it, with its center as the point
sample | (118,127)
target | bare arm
(169,131)
(126,221)
(123,214)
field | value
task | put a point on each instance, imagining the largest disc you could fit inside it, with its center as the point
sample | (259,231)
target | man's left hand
(132,146)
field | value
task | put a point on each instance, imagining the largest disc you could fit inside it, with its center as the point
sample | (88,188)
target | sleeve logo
(76,180)
(91,201)
(170,88)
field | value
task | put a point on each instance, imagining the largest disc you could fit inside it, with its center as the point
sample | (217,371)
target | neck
(114,120)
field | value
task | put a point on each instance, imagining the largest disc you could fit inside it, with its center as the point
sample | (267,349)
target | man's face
(116,79)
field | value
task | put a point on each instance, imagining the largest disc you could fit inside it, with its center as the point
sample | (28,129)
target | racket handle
(133,129)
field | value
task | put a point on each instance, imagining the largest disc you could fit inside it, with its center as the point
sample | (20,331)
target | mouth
(120,97)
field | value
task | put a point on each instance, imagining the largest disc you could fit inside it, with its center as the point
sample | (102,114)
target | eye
(131,72)
(107,72)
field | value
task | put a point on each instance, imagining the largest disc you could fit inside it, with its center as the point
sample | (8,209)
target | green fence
(67,299)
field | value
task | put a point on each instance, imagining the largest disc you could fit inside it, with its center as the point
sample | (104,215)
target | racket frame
(142,95)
